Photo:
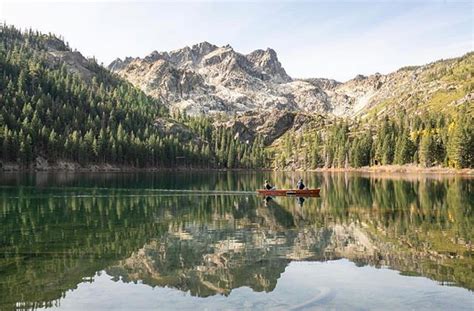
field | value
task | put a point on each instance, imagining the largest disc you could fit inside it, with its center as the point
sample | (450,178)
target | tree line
(425,139)
(49,111)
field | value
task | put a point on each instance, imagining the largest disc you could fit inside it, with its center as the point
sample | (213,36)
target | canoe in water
(292,192)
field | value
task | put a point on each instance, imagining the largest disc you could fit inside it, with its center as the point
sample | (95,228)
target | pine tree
(404,149)
(387,149)
(426,150)
(53,145)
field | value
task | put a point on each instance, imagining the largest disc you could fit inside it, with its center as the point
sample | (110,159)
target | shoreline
(108,168)
(400,169)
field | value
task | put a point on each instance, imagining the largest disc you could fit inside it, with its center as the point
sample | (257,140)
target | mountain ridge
(61,106)
(205,78)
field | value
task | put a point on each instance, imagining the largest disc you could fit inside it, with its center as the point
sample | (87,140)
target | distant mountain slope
(57,106)
(206,78)
(433,87)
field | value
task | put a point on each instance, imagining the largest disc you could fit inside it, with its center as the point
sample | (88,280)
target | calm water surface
(193,241)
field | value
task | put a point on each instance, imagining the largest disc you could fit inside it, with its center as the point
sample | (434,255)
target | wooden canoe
(290,192)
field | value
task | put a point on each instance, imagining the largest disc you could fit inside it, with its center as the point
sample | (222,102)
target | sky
(330,39)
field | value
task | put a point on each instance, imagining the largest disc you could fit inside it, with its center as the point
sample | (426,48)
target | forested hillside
(425,139)
(60,106)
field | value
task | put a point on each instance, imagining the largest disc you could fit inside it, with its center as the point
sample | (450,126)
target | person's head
(301,179)
(266,181)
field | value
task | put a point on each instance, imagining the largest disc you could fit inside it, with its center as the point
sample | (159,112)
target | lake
(205,240)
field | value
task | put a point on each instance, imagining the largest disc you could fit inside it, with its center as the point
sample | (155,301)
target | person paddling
(268,186)
(300,184)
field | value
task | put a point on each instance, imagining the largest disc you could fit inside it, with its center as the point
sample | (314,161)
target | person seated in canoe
(268,186)
(300,184)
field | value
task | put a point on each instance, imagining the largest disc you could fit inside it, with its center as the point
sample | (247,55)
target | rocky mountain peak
(267,61)
(204,48)
(55,44)
(204,78)
(189,57)
(119,64)
(154,56)
(359,77)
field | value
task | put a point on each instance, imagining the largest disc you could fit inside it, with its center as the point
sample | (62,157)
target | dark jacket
(301,185)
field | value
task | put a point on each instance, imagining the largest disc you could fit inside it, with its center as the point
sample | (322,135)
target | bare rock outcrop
(205,78)
(269,125)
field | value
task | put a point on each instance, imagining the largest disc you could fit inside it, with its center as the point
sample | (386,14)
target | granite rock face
(205,79)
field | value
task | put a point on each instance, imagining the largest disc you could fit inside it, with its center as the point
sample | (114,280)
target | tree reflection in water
(57,231)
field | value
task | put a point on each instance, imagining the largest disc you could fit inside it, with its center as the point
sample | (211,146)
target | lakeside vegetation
(48,111)
(52,111)
(427,140)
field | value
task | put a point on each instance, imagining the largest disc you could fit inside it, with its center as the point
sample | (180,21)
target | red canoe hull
(290,192)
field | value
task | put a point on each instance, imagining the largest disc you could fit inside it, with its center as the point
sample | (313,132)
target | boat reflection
(54,239)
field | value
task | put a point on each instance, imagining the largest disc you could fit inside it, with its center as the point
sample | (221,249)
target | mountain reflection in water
(57,231)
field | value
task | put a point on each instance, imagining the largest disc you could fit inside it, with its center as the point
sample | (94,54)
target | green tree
(426,150)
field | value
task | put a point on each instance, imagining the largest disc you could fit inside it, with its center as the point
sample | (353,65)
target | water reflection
(57,231)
